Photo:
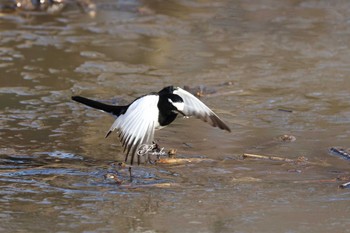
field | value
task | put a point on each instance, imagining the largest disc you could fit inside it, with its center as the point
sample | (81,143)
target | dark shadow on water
(69,173)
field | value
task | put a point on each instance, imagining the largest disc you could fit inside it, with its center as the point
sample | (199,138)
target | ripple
(20,91)
(97,67)
(63,155)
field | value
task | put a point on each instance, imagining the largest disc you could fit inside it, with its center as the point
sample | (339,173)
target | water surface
(271,68)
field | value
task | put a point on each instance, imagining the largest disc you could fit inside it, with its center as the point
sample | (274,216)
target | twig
(315,181)
(285,110)
(274,158)
(300,160)
(181,160)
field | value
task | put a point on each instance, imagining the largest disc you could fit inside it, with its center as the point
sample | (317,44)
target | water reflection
(289,55)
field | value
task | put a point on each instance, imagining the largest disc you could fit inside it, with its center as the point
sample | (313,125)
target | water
(270,68)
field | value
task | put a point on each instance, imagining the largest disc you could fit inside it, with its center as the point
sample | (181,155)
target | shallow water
(271,68)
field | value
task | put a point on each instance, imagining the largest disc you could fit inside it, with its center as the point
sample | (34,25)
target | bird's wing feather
(195,107)
(136,125)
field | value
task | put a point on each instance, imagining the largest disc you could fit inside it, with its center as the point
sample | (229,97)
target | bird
(136,123)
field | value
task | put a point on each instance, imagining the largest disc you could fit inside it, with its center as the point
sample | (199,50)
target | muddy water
(272,68)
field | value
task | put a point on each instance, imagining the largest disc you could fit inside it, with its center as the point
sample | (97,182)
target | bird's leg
(154,145)
(156,150)
(130,174)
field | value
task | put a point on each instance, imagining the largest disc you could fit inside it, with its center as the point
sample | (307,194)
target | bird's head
(177,103)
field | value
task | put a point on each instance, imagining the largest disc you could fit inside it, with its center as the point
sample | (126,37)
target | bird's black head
(171,103)
(167,90)
(177,102)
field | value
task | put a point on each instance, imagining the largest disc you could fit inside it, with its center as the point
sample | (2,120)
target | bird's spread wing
(195,107)
(136,125)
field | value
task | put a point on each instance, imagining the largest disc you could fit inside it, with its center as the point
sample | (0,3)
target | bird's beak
(178,111)
(181,112)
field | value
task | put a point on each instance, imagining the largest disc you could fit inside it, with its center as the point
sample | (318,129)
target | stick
(275,158)
(301,159)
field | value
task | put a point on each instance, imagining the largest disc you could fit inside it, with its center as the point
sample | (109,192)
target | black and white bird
(137,121)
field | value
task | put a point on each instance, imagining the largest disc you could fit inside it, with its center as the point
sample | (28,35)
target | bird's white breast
(141,114)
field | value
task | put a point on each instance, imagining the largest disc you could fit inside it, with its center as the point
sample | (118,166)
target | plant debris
(266,157)
(113,178)
(345,185)
(285,110)
(301,160)
(181,160)
(344,153)
(286,138)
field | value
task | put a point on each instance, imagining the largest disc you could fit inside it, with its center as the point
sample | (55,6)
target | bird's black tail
(115,110)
